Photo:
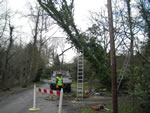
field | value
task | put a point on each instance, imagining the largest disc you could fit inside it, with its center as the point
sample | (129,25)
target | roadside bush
(142,88)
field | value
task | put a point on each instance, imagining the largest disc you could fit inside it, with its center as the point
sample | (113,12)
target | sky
(82,8)
(81,15)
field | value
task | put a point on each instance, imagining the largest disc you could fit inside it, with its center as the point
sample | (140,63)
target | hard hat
(59,73)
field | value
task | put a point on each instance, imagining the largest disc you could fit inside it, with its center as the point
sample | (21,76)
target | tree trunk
(131,49)
(6,63)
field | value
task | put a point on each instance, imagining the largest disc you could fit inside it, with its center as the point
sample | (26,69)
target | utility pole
(113,59)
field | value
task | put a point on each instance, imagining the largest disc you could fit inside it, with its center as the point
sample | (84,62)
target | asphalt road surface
(22,101)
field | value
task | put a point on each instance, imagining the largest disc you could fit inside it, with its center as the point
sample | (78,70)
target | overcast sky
(82,8)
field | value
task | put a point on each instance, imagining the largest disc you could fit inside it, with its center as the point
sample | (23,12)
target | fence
(48,91)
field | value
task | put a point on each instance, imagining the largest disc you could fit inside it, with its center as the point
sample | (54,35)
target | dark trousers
(59,88)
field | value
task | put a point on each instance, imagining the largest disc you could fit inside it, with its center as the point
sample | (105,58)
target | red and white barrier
(48,91)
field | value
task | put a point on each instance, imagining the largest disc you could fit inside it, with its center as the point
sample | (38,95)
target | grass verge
(123,107)
(74,85)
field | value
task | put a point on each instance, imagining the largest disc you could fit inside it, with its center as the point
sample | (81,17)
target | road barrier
(34,100)
(48,91)
(60,101)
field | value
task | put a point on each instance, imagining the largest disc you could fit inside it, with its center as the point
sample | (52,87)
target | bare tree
(4,18)
(7,57)
(99,28)
(40,26)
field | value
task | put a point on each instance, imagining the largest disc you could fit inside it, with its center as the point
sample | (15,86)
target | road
(22,101)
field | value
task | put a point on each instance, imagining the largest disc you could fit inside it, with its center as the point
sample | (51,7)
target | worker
(59,81)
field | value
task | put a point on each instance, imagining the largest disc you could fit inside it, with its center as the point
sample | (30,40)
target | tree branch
(65,50)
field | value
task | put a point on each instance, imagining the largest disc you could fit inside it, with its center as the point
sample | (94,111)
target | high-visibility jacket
(59,81)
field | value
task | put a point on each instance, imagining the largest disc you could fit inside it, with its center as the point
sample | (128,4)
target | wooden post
(113,59)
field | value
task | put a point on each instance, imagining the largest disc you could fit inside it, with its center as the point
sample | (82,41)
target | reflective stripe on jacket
(59,81)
